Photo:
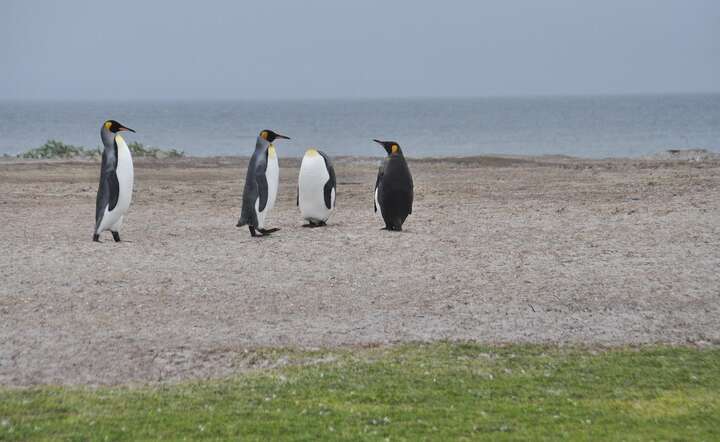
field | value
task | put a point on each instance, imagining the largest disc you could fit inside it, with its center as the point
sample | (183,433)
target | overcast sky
(138,49)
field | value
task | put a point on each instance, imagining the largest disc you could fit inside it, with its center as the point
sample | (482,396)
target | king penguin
(393,187)
(261,184)
(116,181)
(316,188)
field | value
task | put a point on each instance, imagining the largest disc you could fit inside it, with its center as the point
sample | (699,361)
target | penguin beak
(384,145)
(123,128)
(281,136)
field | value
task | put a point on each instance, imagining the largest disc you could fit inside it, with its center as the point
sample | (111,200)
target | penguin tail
(240,223)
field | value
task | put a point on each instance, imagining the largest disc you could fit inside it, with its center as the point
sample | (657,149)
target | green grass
(439,391)
(58,149)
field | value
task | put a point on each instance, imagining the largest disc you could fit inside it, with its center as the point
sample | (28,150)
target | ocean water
(592,126)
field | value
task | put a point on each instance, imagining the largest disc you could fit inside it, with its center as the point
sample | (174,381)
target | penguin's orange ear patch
(264,135)
(394,148)
(108,125)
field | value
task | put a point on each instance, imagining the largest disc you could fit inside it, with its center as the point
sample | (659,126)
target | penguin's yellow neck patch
(108,125)
(264,135)
(271,151)
(394,148)
(311,152)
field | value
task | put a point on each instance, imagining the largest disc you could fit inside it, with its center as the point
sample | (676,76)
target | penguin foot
(313,225)
(260,232)
(96,238)
(116,236)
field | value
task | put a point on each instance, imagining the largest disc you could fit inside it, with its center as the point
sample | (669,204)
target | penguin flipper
(261,181)
(101,202)
(330,184)
(109,187)
(412,194)
(114,186)
(113,182)
(328,193)
(377,184)
(262,191)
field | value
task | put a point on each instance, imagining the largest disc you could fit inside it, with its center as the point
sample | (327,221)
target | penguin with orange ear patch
(393,187)
(116,181)
(261,184)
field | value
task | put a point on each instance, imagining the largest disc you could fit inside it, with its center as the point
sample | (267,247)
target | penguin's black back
(395,192)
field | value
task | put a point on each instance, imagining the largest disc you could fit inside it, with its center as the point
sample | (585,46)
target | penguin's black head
(271,136)
(391,147)
(114,127)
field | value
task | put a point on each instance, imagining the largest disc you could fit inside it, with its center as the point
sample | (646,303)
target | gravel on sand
(498,250)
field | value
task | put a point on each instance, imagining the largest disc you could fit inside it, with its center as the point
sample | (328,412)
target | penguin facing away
(393,187)
(261,184)
(316,188)
(116,181)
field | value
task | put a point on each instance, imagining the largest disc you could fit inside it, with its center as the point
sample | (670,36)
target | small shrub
(174,153)
(140,150)
(54,149)
(58,149)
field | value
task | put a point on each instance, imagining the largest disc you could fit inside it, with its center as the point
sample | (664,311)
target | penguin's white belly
(311,189)
(112,220)
(272,174)
(126,176)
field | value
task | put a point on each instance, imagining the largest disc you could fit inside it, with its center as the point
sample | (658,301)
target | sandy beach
(497,250)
